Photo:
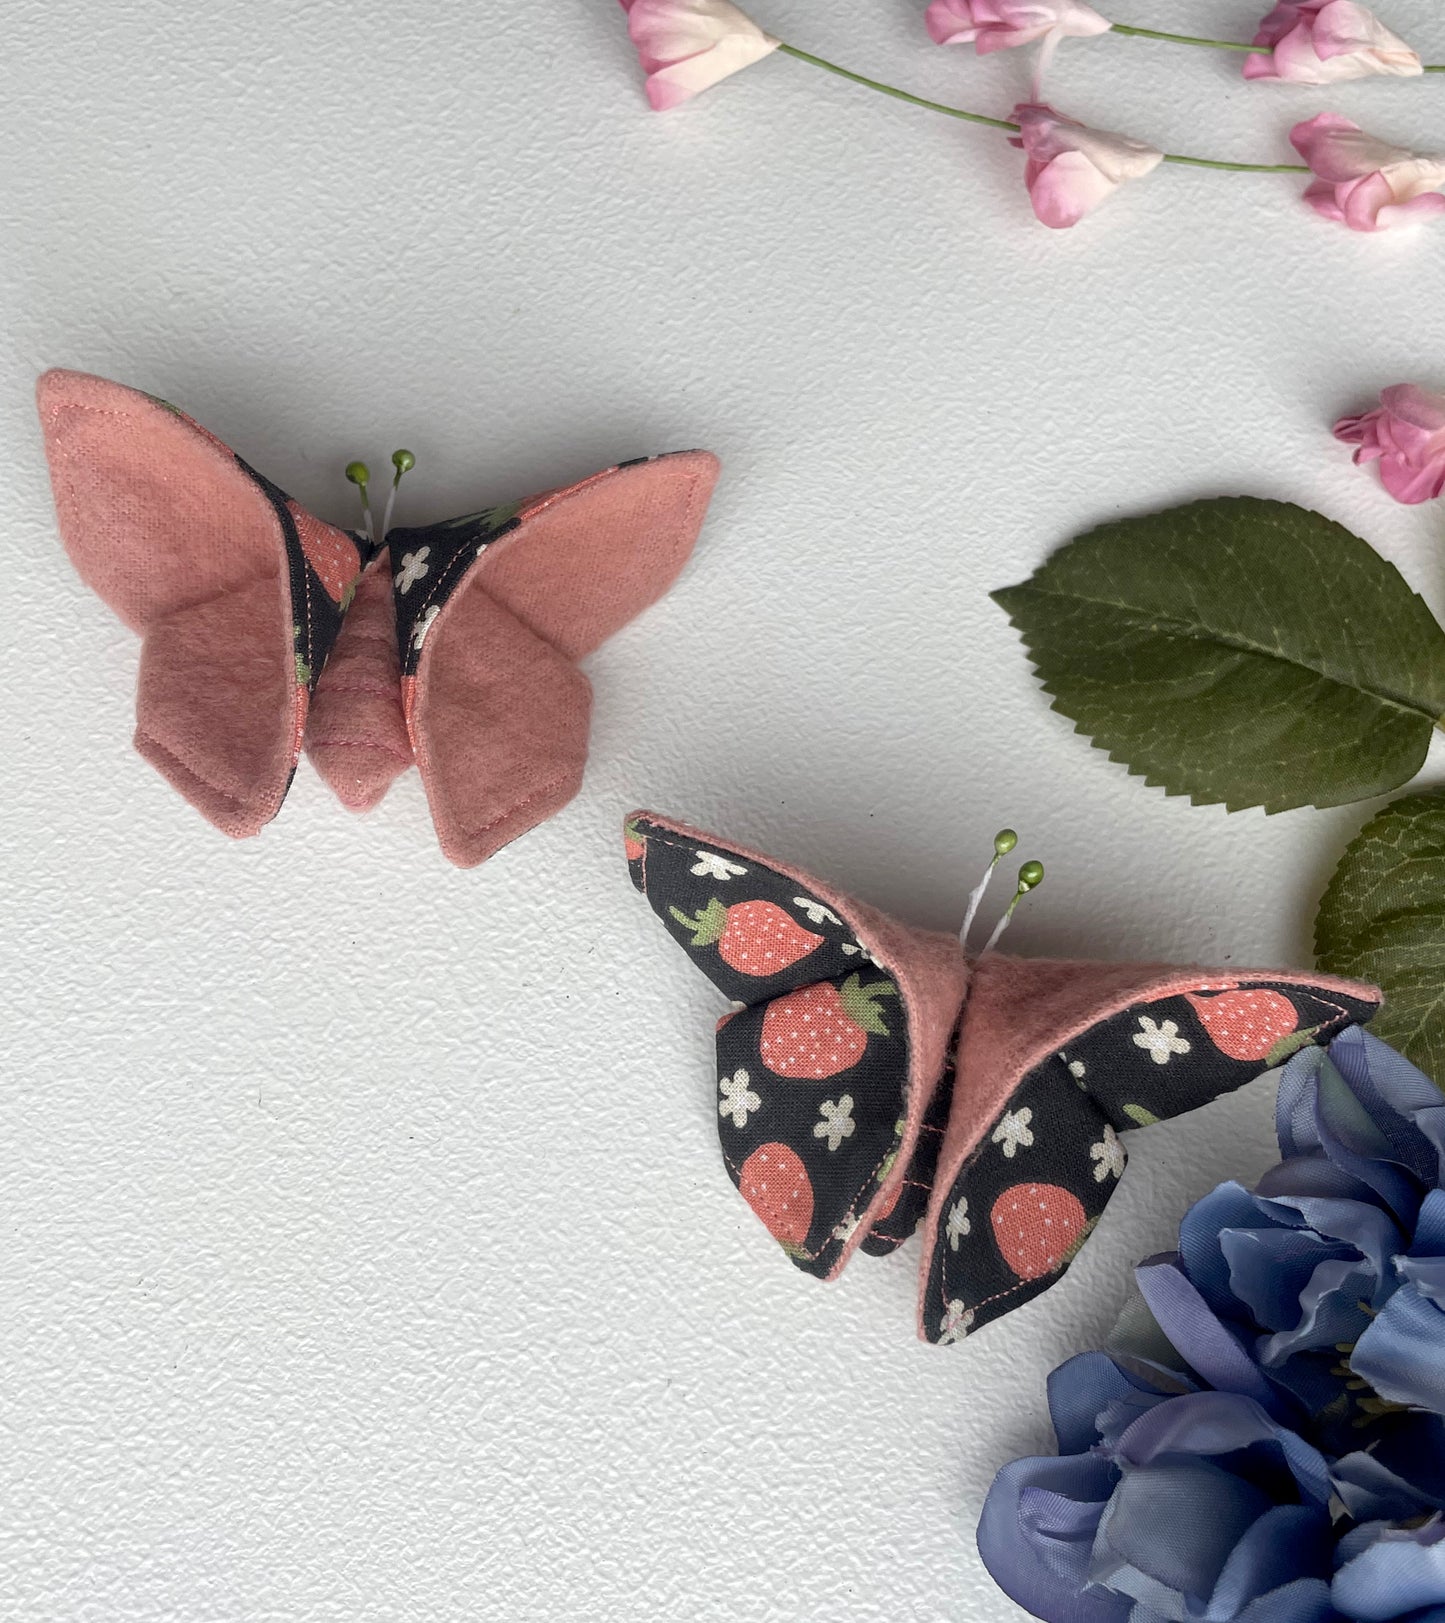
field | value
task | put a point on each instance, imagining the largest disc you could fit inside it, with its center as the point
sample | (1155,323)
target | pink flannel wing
(237,591)
(829,1064)
(492,613)
(1054,1061)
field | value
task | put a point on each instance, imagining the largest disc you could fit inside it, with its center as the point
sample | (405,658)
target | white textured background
(365,1253)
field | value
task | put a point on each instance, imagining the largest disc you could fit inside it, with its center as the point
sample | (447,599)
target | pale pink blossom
(1405,434)
(1071,168)
(1364,182)
(688,45)
(995,25)
(1317,42)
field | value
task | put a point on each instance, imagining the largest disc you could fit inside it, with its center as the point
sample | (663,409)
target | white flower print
(958,1222)
(816,911)
(1162,1041)
(845,1230)
(1076,1068)
(1013,1131)
(955,1324)
(837,1123)
(1109,1154)
(424,624)
(738,1098)
(710,865)
(414,567)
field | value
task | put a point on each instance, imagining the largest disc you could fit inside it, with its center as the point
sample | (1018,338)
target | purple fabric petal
(1212,1424)
(1037,1551)
(1214,1352)
(1408,1108)
(1085,1388)
(1169,1530)
(1402,1354)
(1424,1266)
(1271,1269)
(1426,1274)
(1317,1176)
(1399,1571)
(1286,1544)
(1330,1314)
(1321,1110)
(1401,1474)
(1307,1600)
(1229,1206)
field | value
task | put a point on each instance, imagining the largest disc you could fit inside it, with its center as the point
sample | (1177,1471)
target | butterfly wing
(237,591)
(492,612)
(832,1055)
(1054,1060)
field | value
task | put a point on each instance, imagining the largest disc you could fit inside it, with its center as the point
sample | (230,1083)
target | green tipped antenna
(1031,876)
(1003,842)
(403,462)
(360,476)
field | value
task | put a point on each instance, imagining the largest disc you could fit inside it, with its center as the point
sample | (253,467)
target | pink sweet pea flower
(1364,182)
(1316,42)
(1071,168)
(995,25)
(1405,434)
(688,45)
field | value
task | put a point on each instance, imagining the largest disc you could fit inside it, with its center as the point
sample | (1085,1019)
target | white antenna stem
(403,462)
(1000,927)
(1031,876)
(975,896)
(1003,842)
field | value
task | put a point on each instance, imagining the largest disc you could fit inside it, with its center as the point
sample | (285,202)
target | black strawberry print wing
(427,565)
(752,930)
(835,1110)
(1037,1182)
(813,1062)
(891,1228)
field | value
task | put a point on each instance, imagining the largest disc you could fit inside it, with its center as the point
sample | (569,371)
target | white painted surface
(366,1253)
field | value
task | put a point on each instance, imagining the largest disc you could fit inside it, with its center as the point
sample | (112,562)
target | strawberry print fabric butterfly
(874,1078)
(453,646)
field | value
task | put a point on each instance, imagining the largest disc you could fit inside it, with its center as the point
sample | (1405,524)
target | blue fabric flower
(1265,1440)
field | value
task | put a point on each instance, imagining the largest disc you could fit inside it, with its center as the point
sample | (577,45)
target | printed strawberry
(754,938)
(775,1183)
(1038,1227)
(1246,1025)
(823,1029)
(330,552)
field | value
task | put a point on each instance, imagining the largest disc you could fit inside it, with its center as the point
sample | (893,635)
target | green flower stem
(1004,124)
(1242,168)
(1189,39)
(892,90)
(1218,44)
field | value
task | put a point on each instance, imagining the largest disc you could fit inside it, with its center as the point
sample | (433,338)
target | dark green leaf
(1383,920)
(1238,650)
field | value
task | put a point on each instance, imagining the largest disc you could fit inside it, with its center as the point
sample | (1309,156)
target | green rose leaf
(1383,919)
(1238,650)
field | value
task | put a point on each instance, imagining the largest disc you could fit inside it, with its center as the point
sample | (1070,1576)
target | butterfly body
(887,1081)
(452,645)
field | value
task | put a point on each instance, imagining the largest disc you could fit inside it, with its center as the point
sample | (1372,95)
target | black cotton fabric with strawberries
(428,563)
(811,1064)
(1034,1188)
(322,576)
